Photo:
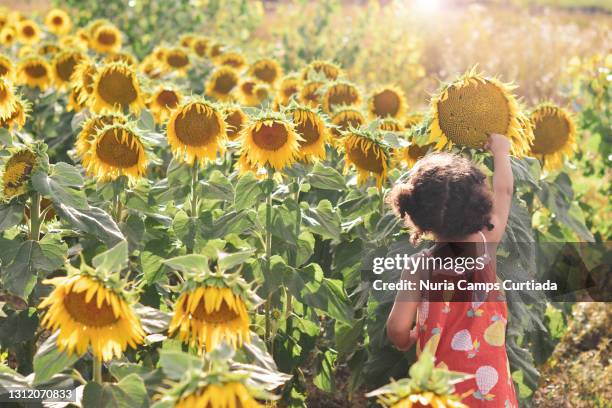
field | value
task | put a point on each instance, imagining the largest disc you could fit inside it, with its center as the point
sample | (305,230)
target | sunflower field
(192,192)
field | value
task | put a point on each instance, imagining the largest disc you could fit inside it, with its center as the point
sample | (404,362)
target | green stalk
(97,370)
(194,186)
(35,219)
(294,258)
(268,242)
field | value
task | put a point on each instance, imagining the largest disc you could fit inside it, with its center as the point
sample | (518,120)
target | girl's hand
(414,336)
(498,144)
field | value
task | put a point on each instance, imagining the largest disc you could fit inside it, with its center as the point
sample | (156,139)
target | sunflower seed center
(88,313)
(116,152)
(196,128)
(271,137)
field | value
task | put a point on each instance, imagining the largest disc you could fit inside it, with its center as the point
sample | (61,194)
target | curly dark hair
(446,195)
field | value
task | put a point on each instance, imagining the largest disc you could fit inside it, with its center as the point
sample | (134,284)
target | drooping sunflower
(89,130)
(554,134)
(83,35)
(232,59)
(247,91)
(7,36)
(35,71)
(412,153)
(17,118)
(468,110)
(196,131)
(186,40)
(215,50)
(222,83)
(58,21)
(73,42)
(200,46)
(327,69)
(151,67)
(8,100)
(310,94)
(163,100)
(365,150)
(388,101)
(235,119)
(212,309)
(177,60)
(64,65)
(105,38)
(262,93)
(117,150)
(48,49)
(82,82)
(429,399)
(121,56)
(340,93)
(312,129)
(219,396)
(266,70)
(391,125)
(412,119)
(270,139)
(17,172)
(116,89)
(28,32)
(7,69)
(91,312)
(345,118)
(288,88)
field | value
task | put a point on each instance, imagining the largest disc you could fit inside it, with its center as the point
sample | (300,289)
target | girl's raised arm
(503,186)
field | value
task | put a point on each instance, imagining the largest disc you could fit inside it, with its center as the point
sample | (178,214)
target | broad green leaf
(61,186)
(228,261)
(323,220)
(49,360)
(10,215)
(152,320)
(92,221)
(130,392)
(324,379)
(185,228)
(248,192)
(176,363)
(192,263)
(326,178)
(113,260)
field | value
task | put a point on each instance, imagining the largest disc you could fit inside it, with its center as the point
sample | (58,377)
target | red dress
(469,336)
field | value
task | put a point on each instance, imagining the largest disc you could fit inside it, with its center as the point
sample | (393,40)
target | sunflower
(310,94)
(554,134)
(200,46)
(176,60)
(48,49)
(222,395)
(117,150)
(163,100)
(58,22)
(345,118)
(311,128)
(367,153)
(28,32)
(64,65)
(428,399)
(17,172)
(83,35)
(73,42)
(213,308)
(8,36)
(151,67)
(82,81)
(289,87)
(412,120)
(387,102)
(247,91)
(73,103)
(468,110)
(235,119)
(270,140)
(266,70)
(232,59)
(7,70)
(216,50)
(17,118)
(391,125)
(412,153)
(340,93)
(90,312)
(321,68)
(196,131)
(221,83)
(116,88)
(35,71)
(262,93)
(89,130)
(8,101)
(186,40)
(105,38)
(121,56)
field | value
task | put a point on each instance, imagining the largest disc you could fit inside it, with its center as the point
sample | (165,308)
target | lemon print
(495,334)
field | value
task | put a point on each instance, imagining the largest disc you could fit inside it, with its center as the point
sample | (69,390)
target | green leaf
(176,363)
(248,192)
(130,392)
(228,261)
(192,263)
(326,178)
(323,220)
(92,221)
(152,320)
(185,228)
(61,185)
(324,379)
(113,260)
(10,214)
(217,187)
(49,360)
(347,336)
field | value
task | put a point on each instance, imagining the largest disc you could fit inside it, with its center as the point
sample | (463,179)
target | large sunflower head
(8,35)
(340,93)
(7,69)
(8,100)
(35,71)
(289,88)
(116,89)
(310,94)
(17,172)
(105,37)
(121,56)
(325,69)
(64,65)
(200,46)
(266,70)
(91,312)
(345,118)
(312,129)
(365,150)
(388,101)
(89,130)
(17,118)
(213,308)
(471,108)
(196,131)
(58,21)
(222,83)
(117,150)
(232,59)
(163,100)
(235,119)
(28,32)
(270,139)
(554,134)
(177,60)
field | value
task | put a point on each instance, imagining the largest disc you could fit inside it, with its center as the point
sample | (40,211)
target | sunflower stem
(381,193)
(268,248)
(35,220)
(194,186)
(97,370)
(294,260)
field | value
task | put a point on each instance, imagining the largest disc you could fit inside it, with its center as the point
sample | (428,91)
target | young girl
(448,197)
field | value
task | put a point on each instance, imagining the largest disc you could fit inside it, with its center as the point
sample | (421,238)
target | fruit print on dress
(462,341)
(495,334)
(486,378)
